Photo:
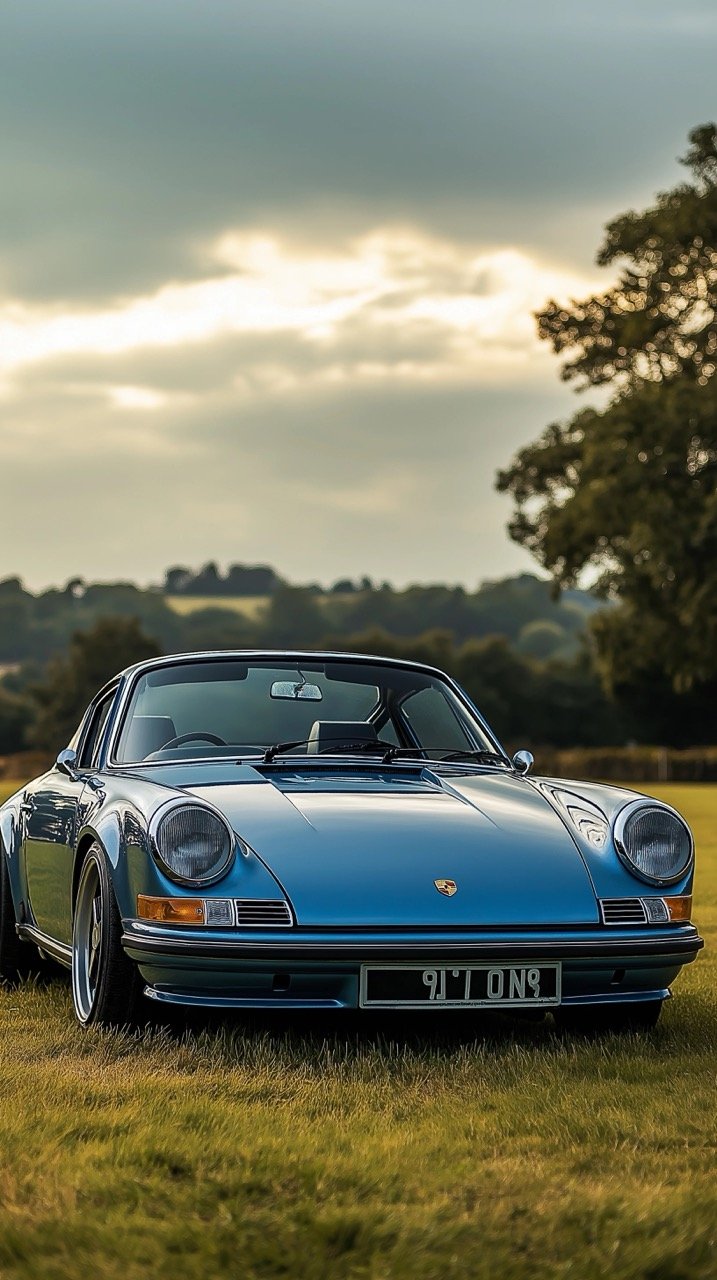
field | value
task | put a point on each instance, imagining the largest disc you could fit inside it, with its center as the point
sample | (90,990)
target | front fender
(610,877)
(121,830)
(10,846)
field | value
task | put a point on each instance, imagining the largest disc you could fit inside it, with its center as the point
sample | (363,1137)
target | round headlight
(653,841)
(194,844)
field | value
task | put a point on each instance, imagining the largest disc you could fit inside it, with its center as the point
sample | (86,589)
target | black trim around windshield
(114,730)
(319,763)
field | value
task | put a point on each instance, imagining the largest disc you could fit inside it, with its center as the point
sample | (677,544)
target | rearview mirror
(294,690)
(523,761)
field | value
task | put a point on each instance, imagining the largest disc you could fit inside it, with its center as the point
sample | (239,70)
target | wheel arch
(106,983)
(87,839)
(10,841)
(107,833)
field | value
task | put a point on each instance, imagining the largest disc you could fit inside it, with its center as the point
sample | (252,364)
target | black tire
(17,959)
(106,985)
(639,1015)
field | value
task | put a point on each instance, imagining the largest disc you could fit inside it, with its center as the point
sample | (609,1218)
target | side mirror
(66,762)
(523,761)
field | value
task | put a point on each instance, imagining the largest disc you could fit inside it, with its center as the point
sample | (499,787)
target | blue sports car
(326,831)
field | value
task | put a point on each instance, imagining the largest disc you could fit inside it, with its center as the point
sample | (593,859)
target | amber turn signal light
(679,908)
(171,910)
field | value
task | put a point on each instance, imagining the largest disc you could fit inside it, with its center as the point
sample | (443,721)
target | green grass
(348,1149)
(251,607)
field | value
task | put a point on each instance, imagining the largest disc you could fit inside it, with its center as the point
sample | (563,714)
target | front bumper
(313,969)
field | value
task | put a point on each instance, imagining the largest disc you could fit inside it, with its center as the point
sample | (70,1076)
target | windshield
(229,707)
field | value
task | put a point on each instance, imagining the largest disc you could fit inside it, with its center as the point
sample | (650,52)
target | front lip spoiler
(683,947)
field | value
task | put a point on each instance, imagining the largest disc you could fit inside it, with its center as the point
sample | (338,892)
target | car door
(52,809)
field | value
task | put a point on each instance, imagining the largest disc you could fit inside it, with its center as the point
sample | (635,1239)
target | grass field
(250,606)
(350,1149)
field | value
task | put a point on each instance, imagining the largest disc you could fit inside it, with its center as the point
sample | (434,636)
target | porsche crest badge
(446,887)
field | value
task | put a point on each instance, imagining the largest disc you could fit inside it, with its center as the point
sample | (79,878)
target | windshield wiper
(474,754)
(341,747)
(278,747)
(480,757)
(390,752)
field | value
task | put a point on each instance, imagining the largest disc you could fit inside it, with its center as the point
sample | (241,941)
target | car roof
(311,655)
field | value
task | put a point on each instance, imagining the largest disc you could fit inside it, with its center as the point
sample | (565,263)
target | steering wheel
(213,738)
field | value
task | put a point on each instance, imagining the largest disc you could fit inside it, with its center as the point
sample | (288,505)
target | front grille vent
(262,913)
(623,911)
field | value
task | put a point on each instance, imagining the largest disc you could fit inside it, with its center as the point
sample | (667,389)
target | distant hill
(212,609)
(520,653)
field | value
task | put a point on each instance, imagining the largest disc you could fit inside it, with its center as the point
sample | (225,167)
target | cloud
(393,303)
(136,132)
(267,270)
(394,480)
(141,398)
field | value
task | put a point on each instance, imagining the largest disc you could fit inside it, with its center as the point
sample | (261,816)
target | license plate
(477,986)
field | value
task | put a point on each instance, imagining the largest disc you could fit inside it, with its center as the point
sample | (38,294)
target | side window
(93,738)
(434,722)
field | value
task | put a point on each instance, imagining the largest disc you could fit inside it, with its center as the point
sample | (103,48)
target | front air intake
(623,911)
(262,913)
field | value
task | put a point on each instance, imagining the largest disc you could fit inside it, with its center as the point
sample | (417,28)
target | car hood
(365,849)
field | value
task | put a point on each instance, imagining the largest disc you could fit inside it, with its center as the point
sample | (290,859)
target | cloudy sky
(267,267)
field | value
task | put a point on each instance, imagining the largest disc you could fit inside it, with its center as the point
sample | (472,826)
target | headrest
(148,734)
(327,734)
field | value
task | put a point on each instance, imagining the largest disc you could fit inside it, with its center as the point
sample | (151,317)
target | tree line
(520,652)
(533,702)
(34,627)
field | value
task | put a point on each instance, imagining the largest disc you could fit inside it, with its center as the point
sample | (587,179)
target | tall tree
(658,320)
(630,491)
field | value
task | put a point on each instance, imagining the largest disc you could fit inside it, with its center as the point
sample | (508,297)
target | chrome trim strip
(219,1001)
(58,950)
(618,997)
(617,904)
(180,947)
(259,907)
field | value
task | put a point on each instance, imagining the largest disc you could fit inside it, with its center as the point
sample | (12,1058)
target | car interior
(199,711)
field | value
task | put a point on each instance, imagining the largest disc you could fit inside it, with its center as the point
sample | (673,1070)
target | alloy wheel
(87,941)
